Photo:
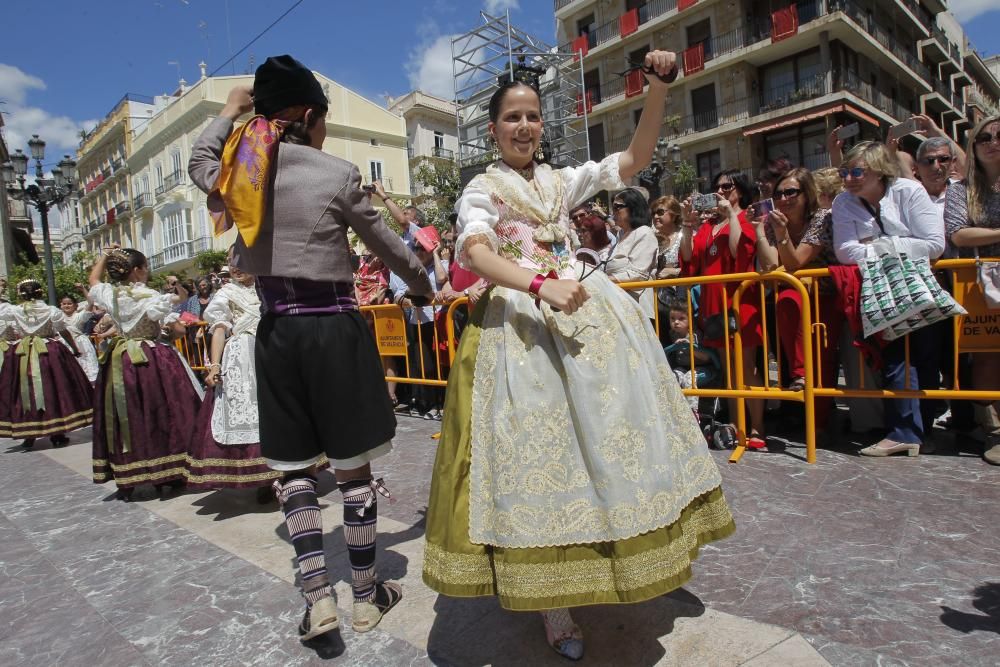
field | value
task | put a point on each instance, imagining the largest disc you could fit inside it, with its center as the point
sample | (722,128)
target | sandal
(368,614)
(797,384)
(756,441)
(569,646)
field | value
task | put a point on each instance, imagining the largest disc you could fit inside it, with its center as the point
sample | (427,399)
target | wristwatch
(784,241)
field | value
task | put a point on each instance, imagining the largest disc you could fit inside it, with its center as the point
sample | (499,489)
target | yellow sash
(115,405)
(28,349)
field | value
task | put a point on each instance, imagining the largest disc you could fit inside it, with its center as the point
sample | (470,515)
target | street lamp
(42,195)
(665,161)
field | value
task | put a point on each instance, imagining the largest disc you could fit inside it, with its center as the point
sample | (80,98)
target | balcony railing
(92,226)
(141,201)
(179,252)
(170,182)
(121,208)
(116,164)
(559,4)
(443,153)
(106,173)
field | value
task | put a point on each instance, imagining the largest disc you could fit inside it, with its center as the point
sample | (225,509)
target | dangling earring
(495,149)
(539,153)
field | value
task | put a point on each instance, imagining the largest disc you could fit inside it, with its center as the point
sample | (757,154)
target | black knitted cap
(282,82)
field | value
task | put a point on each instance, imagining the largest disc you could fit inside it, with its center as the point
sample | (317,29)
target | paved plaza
(847,562)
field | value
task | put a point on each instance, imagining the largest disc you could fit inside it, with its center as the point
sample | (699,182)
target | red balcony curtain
(581,43)
(111,216)
(784,23)
(590,103)
(628,22)
(685,4)
(694,58)
(634,82)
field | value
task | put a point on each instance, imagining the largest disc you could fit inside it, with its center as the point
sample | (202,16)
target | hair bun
(120,264)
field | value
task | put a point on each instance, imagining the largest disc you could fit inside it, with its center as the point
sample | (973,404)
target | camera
(370,189)
(704,202)
(761,208)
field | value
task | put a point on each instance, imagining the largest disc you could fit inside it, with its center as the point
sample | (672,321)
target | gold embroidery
(148,463)
(83,414)
(220,478)
(228,463)
(457,569)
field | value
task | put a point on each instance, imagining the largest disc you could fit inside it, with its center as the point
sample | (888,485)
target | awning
(811,114)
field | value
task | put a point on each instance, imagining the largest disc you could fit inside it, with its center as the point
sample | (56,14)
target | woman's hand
(688,214)
(564,295)
(778,220)
(475,293)
(662,63)
(212,377)
(723,207)
(239,102)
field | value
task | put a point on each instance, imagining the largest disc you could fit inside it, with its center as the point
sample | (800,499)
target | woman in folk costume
(570,469)
(225,452)
(320,385)
(75,318)
(9,335)
(52,395)
(146,402)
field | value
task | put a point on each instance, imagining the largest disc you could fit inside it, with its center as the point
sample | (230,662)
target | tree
(210,261)
(685,179)
(442,177)
(67,277)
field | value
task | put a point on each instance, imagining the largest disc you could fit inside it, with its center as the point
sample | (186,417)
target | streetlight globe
(68,166)
(675,154)
(7,172)
(20,162)
(58,177)
(37,147)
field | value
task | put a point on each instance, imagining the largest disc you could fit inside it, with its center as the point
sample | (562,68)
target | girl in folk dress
(146,401)
(570,469)
(52,394)
(9,335)
(226,450)
(75,318)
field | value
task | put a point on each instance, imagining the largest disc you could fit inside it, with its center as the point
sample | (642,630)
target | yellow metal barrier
(196,354)
(389,323)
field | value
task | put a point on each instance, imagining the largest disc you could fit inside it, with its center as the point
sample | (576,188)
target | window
(595,135)
(637,56)
(708,164)
(792,80)
(373,142)
(176,234)
(203,231)
(701,33)
(703,107)
(588,26)
(803,145)
(375,169)
(159,176)
(147,239)
(175,162)
(592,83)
(144,184)
(438,139)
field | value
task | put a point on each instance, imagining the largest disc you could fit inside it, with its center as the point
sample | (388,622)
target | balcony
(116,164)
(122,208)
(141,201)
(170,182)
(935,47)
(911,9)
(92,226)
(443,153)
(179,252)
(559,4)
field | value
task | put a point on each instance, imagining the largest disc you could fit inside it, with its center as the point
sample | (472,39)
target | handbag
(988,277)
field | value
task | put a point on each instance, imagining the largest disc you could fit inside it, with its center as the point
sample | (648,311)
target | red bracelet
(536,284)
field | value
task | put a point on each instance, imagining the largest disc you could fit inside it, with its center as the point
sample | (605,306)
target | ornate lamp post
(43,194)
(665,160)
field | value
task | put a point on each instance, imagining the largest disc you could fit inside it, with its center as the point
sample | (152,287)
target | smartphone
(368,188)
(705,202)
(908,126)
(761,208)
(848,131)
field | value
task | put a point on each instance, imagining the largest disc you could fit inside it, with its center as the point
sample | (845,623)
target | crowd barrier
(974,333)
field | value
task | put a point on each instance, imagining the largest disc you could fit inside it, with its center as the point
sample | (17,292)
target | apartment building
(104,198)
(430,131)
(134,166)
(762,80)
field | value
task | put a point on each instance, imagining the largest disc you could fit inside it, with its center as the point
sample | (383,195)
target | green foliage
(443,179)
(67,277)
(210,261)
(685,179)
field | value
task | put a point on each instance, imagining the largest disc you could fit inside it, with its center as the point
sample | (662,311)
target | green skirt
(532,579)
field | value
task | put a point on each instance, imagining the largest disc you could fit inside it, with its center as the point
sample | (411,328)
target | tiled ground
(851,561)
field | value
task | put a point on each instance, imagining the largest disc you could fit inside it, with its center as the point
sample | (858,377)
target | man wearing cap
(321,389)
(420,323)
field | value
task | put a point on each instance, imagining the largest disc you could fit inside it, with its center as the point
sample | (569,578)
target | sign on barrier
(390,332)
(980,329)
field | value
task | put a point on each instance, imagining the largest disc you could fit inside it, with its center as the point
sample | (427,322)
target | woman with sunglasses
(666,224)
(878,202)
(972,221)
(799,235)
(634,256)
(726,242)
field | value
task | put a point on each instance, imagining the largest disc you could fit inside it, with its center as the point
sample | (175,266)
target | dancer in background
(319,378)
(225,452)
(570,469)
(146,401)
(76,317)
(53,394)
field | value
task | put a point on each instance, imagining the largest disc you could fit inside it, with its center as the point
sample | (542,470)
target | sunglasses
(935,159)
(986,138)
(618,206)
(853,172)
(787,193)
(726,187)
(660,212)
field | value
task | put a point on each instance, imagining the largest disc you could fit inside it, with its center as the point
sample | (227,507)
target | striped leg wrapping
(359,533)
(305,526)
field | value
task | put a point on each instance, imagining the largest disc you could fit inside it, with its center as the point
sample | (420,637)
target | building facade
(430,132)
(761,81)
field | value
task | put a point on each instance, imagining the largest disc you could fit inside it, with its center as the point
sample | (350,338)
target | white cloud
(430,67)
(966,10)
(21,120)
(495,7)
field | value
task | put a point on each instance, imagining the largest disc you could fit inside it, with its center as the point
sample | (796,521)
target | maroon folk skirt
(214,466)
(66,394)
(161,407)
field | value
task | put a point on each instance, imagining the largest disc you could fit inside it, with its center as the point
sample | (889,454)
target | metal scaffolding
(492,53)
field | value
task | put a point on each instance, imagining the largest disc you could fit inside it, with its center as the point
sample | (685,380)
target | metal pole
(50,276)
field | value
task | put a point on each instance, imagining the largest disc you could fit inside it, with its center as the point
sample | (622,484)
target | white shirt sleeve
(923,221)
(102,295)
(218,313)
(583,182)
(852,223)
(477,216)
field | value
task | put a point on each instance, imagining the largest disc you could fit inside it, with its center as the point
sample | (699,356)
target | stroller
(707,373)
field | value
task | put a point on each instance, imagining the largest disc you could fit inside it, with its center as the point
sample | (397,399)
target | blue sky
(375,48)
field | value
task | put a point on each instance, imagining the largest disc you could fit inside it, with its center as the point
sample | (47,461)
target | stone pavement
(848,562)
